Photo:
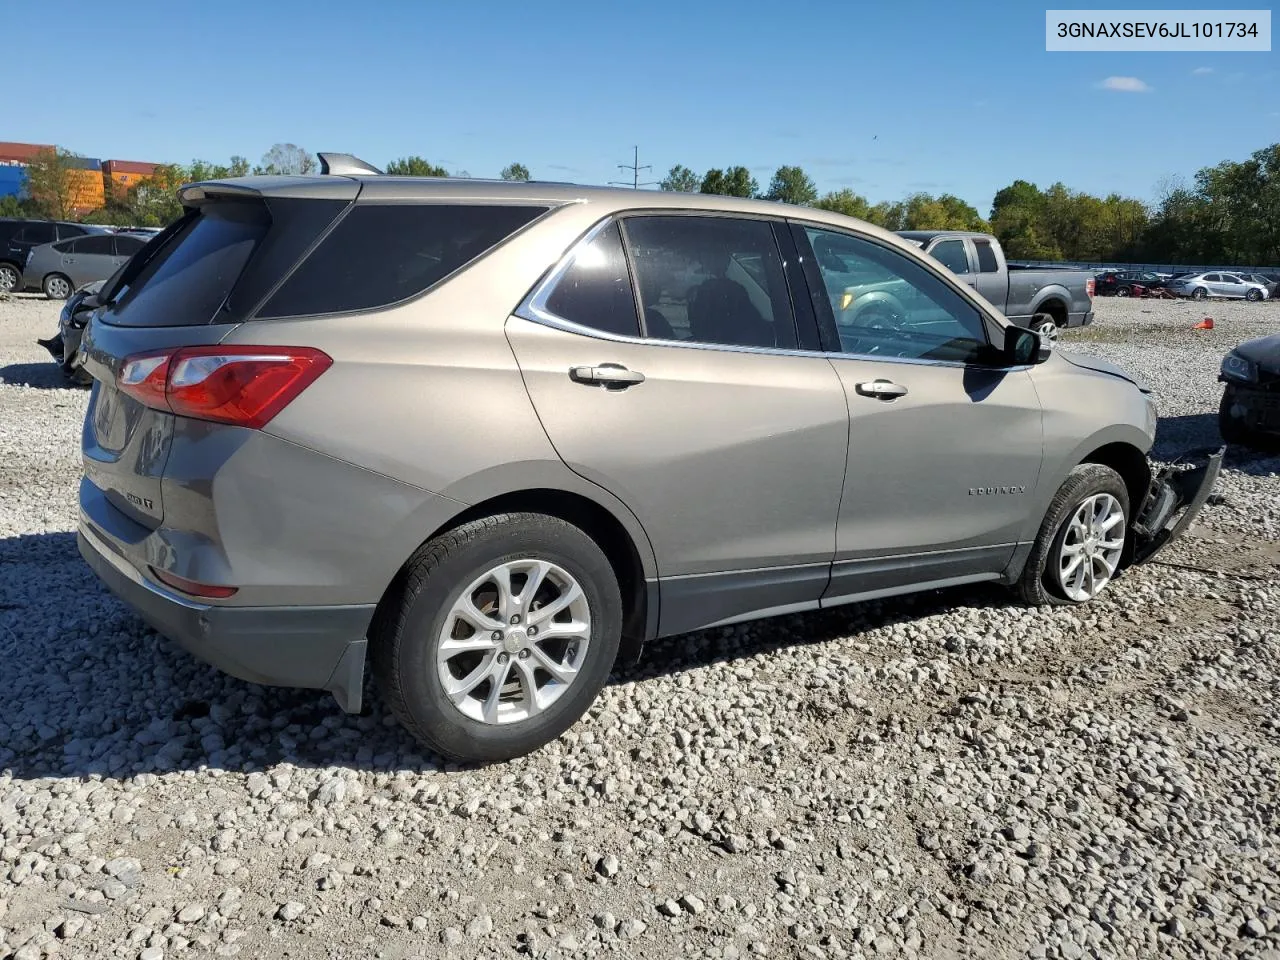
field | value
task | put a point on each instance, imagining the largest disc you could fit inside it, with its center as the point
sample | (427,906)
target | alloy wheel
(1049,332)
(8,278)
(1091,547)
(514,641)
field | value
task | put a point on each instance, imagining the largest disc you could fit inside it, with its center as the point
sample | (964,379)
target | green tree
(286,159)
(923,211)
(734,182)
(154,201)
(846,202)
(11,206)
(515,171)
(792,185)
(415,166)
(680,179)
(54,182)
(239,167)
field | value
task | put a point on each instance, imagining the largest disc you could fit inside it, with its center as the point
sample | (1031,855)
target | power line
(635,168)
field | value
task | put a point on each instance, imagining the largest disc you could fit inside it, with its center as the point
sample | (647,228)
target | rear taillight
(241,385)
(1089,286)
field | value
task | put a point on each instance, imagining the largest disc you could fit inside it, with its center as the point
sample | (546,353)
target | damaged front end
(1173,501)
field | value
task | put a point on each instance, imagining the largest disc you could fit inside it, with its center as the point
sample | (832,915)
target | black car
(18,236)
(1250,410)
(1121,283)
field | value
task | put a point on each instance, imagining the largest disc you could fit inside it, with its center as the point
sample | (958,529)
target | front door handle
(881,389)
(606,375)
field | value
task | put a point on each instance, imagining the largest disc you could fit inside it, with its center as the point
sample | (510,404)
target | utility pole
(635,168)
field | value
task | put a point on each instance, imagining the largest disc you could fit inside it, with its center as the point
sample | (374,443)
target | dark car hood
(1265,351)
(1087,362)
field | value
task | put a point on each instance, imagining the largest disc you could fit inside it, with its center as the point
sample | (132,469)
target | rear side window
(37,233)
(986,257)
(128,246)
(101,245)
(380,254)
(66,246)
(596,289)
(188,279)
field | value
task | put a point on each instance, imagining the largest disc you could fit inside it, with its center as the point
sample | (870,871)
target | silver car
(479,438)
(1198,286)
(62,267)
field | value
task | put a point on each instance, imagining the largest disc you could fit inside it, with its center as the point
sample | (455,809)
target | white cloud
(1202,71)
(1124,85)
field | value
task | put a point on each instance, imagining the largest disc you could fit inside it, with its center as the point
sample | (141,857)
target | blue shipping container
(12,180)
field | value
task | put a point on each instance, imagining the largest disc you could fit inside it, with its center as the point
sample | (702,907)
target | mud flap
(1173,501)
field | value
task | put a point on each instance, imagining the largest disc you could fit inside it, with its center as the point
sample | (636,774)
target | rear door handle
(607,375)
(881,389)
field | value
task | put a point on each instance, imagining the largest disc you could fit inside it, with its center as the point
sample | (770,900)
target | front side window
(887,305)
(37,233)
(951,254)
(595,290)
(717,280)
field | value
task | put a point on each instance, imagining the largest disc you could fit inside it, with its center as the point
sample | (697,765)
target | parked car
(18,236)
(1270,282)
(1045,300)
(60,268)
(1250,410)
(1198,286)
(479,437)
(1128,283)
(64,346)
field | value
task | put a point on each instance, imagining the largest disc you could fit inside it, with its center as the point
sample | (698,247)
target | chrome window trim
(534,309)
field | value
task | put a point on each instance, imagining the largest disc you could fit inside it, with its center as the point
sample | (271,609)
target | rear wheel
(1124,292)
(498,636)
(1081,541)
(57,287)
(1199,293)
(1048,329)
(10,278)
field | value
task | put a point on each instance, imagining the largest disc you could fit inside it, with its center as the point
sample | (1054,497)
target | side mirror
(1022,347)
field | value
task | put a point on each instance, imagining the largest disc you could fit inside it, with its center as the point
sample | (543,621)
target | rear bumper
(316,647)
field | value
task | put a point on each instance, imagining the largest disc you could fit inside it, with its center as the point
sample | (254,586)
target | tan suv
(488,433)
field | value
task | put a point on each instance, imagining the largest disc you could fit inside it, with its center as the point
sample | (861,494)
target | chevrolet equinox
(479,437)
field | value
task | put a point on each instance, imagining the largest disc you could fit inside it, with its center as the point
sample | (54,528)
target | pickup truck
(1044,300)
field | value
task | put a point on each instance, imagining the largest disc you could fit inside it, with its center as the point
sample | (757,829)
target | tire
(411,668)
(1042,582)
(1048,329)
(1199,293)
(1124,292)
(1253,295)
(10,278)
(57,287)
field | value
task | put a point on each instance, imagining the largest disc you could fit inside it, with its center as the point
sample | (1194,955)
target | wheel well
(599,524)
(1056,309)
(1130,462)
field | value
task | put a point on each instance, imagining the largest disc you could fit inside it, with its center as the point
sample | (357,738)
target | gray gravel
(945,775)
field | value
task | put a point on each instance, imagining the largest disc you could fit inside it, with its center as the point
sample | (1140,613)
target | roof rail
(344,164)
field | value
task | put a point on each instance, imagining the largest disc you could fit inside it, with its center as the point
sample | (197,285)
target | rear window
(380,254)
(188,279)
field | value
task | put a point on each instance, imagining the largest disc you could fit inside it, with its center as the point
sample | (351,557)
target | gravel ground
(941,776)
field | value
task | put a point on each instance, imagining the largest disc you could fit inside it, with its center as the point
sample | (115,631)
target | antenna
(635,168)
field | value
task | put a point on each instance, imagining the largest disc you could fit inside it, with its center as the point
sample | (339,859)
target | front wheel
(1199,293)
(1081,541)
(498,636)
(1253,295)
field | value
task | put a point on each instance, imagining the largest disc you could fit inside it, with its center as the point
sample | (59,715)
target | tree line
(1228,213)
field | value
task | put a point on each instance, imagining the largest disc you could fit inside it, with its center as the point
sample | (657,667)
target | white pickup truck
(1045,300)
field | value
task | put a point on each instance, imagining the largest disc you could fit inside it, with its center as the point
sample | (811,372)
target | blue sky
(886,98)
